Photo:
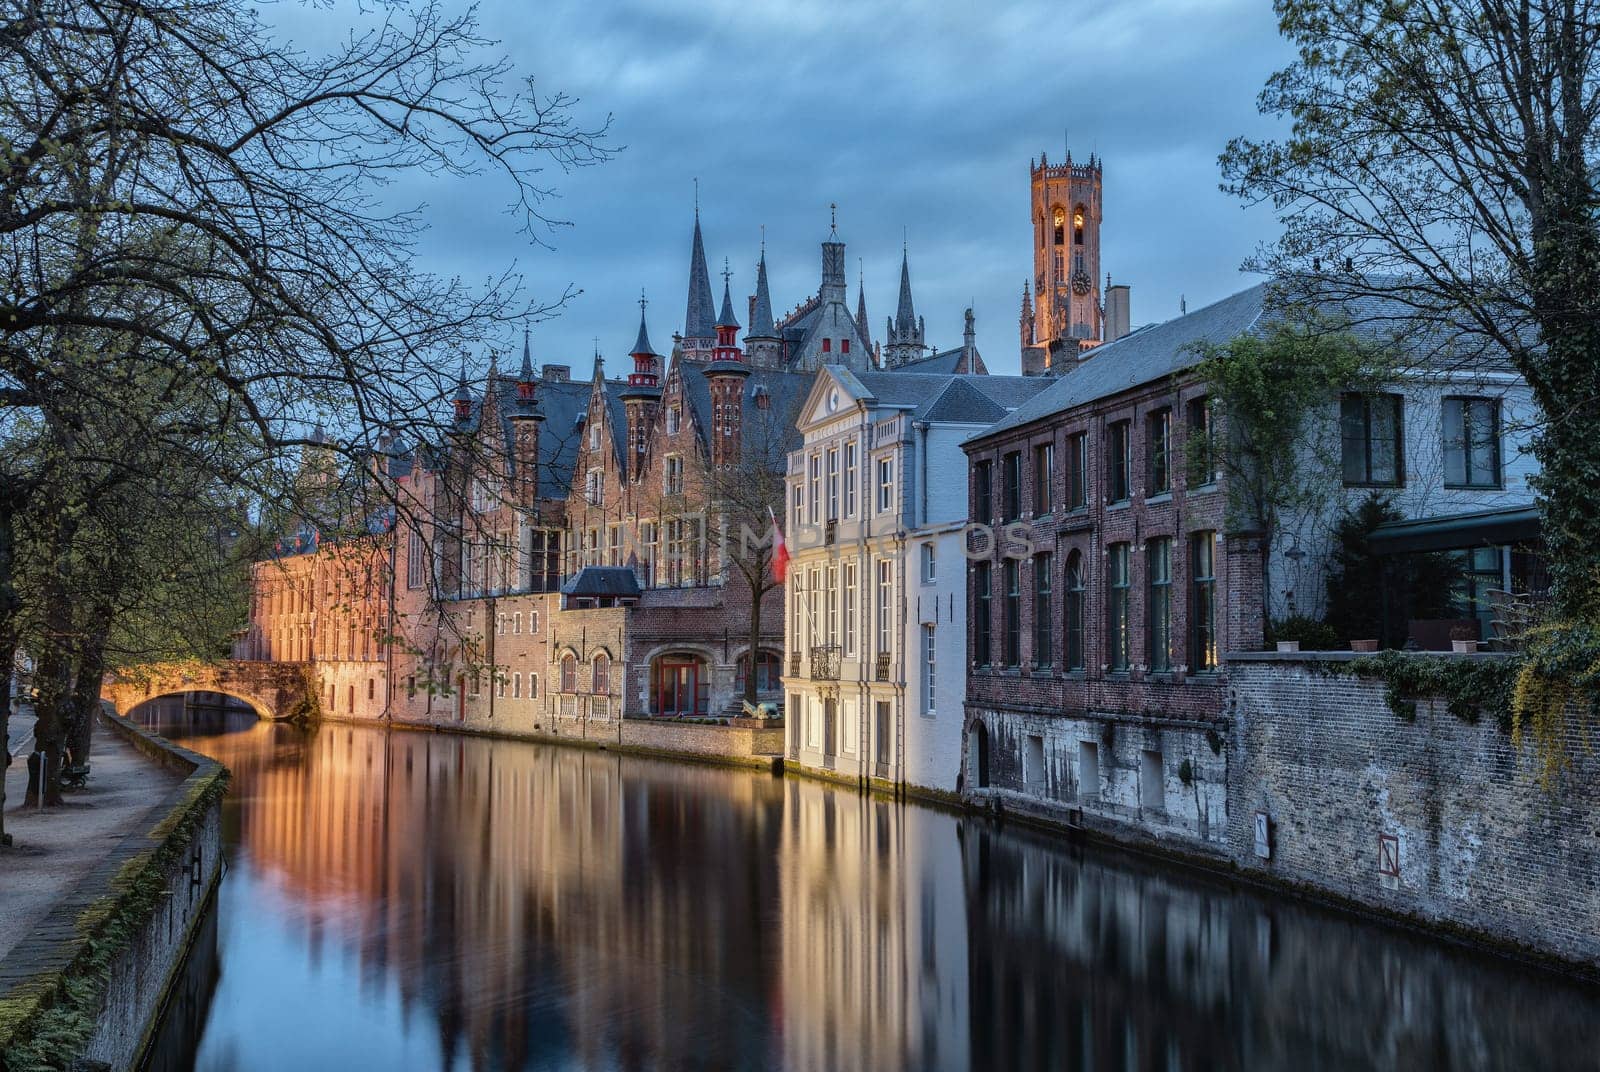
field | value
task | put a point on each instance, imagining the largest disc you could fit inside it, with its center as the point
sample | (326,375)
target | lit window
(1203,602)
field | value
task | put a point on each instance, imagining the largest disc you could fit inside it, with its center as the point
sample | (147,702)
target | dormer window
(674,420)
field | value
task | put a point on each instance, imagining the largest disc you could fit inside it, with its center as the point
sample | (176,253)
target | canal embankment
(121,877)
(1338,787)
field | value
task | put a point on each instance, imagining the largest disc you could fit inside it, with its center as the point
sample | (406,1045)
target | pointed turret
(641,398)
(525,421)
(463,397)
(905,330)
(1025,319)
(699,325)
(726,319)
(763,345)
(861,308)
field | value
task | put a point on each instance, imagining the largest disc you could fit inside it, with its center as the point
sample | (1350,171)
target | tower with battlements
(1068,318)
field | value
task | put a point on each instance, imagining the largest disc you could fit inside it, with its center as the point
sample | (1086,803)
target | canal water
(400,900)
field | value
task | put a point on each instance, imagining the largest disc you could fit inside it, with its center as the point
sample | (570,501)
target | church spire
(905,316)
(761,326)
(726,319)
(905,330)
(861,307)
(700,319)
(525,374)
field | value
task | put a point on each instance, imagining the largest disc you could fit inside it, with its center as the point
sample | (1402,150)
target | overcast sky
(915,118)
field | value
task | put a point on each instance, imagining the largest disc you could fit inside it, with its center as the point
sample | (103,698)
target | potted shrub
(1363,645)
(1463,638)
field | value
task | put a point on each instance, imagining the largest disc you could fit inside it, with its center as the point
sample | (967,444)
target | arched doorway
(680,684)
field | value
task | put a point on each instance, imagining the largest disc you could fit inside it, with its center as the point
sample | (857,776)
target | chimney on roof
(1118,312)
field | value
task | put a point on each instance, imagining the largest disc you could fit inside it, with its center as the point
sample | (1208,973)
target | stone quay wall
(110,952)
(1438,820)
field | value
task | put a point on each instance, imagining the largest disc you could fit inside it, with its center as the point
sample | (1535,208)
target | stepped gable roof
(1148,354)
(603,581)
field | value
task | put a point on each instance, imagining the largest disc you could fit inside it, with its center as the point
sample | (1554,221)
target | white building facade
(875,636)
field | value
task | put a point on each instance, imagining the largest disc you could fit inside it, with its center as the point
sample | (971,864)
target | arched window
(569,673)
(1077,226)
(602,674)
(1074,612)
(1041,230)
(767,664)
(1061,226)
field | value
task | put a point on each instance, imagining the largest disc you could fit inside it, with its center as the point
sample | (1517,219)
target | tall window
(982,620)
(1043,623)
(833,483)
(983,491)
(1074,615)
(1472,442)
(1013,609)
(885,618)
(831,601)
(1158,554)
(1160,475)
(674,419)
(1060,221)
(1203,602)
(602,674)
(929,652)
(814,465)
(1118,582)
(1077,471)
(1044,474)
(569,673)
(674,475)
(850,479)
(1119,461)
(929,564)
(1011,504)
(416,560)
(850,605)
(1370,439)
(885,485)
(1201,444)
(813,594)
(1077,226)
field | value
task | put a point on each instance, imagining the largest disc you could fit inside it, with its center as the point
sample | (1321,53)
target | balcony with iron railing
(825,663)
(881,670)
(794,664)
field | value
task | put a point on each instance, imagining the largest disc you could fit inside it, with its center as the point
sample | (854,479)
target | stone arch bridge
(273,690)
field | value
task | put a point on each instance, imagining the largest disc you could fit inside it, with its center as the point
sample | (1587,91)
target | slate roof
(951,399)
(943,363)
(1156,351)
(603,581)
(1140,357)
(785,391)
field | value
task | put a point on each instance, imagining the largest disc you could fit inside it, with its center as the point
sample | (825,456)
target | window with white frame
(797,513)
(929,650)
(814,486)
(614,546)
(674,419)
(813,593)
(885,485)
(516,624)
(832,603)
(533,622)
(850,479)
(850,608)
(929,568)
(516,686)
(594,487)
(594,436)
(647,537)
(674,476)
(833,483)
(885,604)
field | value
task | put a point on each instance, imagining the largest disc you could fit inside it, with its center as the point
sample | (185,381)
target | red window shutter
(844,346)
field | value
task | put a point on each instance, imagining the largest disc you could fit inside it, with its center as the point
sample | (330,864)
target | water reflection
(414,900)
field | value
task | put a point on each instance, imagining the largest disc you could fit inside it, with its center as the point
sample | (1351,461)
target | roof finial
(833,217)
(905,241)
(697,197)
(763,240)
(727,273)
(643,301)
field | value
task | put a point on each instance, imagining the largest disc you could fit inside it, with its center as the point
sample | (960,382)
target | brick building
(1100,623)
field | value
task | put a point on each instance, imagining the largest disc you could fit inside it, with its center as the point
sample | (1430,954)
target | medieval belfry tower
(1067,317)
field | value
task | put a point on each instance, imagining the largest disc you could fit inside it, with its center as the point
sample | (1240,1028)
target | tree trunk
(55,680)
(756,592)
(85,699)
(8,643)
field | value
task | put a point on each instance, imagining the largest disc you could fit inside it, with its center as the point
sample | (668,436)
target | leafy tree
(1372,595)
(1442,154)
(1267,392)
